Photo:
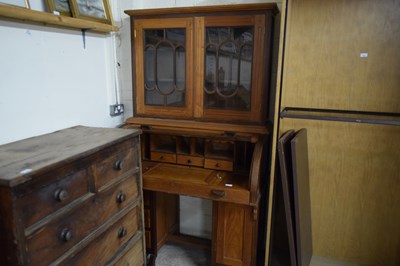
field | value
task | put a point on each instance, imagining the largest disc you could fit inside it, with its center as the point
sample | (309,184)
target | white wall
(49,81)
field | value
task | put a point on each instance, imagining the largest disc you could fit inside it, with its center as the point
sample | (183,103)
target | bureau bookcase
(201,87)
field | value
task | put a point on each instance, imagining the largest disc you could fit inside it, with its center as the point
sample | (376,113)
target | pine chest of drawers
(72,197)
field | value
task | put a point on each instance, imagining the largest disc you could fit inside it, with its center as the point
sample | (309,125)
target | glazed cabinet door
(230,57)
(163,67)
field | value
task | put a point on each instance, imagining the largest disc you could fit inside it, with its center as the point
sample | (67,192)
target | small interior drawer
(163,157)
(45,200)
(191,160)
(116,164)
(218,164)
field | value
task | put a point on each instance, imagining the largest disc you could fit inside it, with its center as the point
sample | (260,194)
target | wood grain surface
(354,183)
(323,67)
(50,151)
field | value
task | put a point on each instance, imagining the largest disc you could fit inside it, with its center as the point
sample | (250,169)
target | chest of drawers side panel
(10,239)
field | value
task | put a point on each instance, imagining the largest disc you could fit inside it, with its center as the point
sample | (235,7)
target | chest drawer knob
(118,165)
(66,234)
(122,232)
(121,197)
(60,195)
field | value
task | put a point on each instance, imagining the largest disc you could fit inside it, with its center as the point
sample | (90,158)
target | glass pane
(228,68)
(165,73)
(164,67)
(149,67)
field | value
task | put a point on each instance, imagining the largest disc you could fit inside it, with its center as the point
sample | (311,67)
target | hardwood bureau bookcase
(72,197)
(201,96)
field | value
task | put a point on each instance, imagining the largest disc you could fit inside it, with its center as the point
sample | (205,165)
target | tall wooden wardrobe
(340,79)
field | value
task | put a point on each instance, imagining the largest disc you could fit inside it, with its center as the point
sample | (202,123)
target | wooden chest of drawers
(72,197)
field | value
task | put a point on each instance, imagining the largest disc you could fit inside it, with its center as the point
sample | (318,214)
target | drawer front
(101,250)
(218,164)
(56,237)
(191,160)
(46,200)
(133,257)
(120,161)
(163,157)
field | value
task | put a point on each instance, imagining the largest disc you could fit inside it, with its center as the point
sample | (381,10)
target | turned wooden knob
(66,235)
(122,232)
(121,197)
(60,195)
(118,165)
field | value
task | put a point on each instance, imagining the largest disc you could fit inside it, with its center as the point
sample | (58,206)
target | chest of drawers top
(23,160)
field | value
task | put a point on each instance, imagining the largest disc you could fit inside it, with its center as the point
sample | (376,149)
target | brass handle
(118,165)
(218,193)
(66,235)
(219,176)
(60,195)
(121,197)
(122,232)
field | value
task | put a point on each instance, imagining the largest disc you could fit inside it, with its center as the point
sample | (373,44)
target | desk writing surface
(196,182)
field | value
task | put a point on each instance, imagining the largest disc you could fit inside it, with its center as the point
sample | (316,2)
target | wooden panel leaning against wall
(353,167)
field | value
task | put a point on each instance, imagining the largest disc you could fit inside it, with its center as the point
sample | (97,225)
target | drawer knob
(60,195)
(121,197)
(218,193)
(217,165)
(122,232)
(118,165)
(66,235)
(189,161)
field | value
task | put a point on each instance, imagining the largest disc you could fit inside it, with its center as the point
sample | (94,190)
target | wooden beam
(29,15)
